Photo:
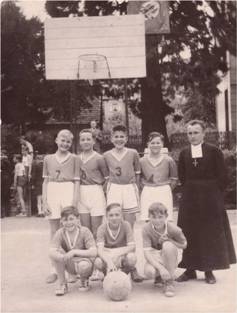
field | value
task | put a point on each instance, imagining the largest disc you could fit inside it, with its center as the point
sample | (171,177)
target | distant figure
(37,182)
(26,143)
(97,134)
(27,160)
(6,180)
(20,181)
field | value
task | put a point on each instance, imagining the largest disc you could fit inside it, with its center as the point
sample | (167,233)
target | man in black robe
(202,215)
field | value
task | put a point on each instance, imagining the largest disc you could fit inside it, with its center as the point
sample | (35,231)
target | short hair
(65,133)
(153,135)
(69,210)
(157,207)
(112,206)
(87,130)
(18,158)
(197,122)
(24,148)
(119,128)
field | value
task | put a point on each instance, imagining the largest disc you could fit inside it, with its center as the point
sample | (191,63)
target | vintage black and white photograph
(118,156)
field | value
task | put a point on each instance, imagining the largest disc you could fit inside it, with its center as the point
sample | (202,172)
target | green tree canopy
(22,65)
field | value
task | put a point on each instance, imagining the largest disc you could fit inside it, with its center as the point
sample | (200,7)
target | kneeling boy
(116,246)
(162,242)
(73,250)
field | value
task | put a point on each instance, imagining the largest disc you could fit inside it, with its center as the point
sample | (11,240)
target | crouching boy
(115,243)
(163,242)
(73,250)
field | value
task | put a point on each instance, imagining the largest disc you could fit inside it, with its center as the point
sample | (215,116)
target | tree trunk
(153,109)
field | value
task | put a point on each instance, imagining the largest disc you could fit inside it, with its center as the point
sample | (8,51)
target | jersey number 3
(118,171)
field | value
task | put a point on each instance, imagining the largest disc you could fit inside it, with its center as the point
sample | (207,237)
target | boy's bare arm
(88,253)
(138,181)
(123,250)
(46,208)
(151,260)
(173,183)
(180,245)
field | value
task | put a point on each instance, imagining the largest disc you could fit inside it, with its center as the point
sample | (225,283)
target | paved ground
(25,265)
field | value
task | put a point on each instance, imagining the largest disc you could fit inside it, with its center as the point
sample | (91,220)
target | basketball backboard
(97,47)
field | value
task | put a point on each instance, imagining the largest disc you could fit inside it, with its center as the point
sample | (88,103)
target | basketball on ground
(117,285)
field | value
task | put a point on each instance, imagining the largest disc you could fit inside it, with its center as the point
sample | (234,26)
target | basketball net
(91,82)
(93,66)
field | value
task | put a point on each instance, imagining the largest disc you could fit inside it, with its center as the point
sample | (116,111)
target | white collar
(85,158)
(72,244)
(196,151)
(119,156)
(111,233)
(154,162)
(160,234)
(62,160)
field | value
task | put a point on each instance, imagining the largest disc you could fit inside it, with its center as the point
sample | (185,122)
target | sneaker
(40,215)
(136,277)
(51,278)
(169,288)
(71,278)
(61,290)
(158,282)
(97,275)
(187,275)
(84,285)
(22,214)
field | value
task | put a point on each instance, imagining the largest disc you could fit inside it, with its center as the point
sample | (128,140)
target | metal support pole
(126,104)
(72,114)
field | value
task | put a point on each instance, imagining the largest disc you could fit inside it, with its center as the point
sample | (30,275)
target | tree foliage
(207,33)
(22,64)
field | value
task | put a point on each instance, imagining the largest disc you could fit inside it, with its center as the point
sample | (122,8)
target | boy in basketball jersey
(115,242)
(163,243)
(124,171)
(93,171)
(158,176)
(61,184)
(73,250)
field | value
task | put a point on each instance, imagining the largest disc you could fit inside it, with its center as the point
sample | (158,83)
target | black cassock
(202,215)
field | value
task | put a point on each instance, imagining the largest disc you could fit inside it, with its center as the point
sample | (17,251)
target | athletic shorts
(157,254)
(111,252)
(92,200)
(59,196)
(126,195)
(161,194)
(21,181)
